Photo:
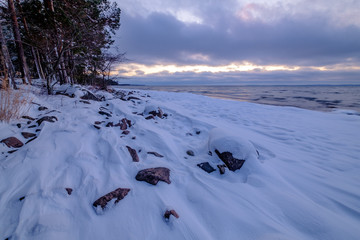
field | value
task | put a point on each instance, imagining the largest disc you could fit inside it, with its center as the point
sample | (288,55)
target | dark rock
(125,123)
(206,167)
(133,138)
(188,134)
(126,132)
(18,125)
(37,130)
(210,153)
(31,140)
(232,163)
(28,118)
(168,213)
(90,96)
(105,113)
(133,154)
(190,153)
(28,135)
(154,175)
(97,127)
(155,154)
(198,132)
(28,122)
(221,168)
(86,102)
(119,194)
(22,198)
(110,124)
(97,122)
(12,142)
(149,117)
(42,108)
(158,113)
(12,151)
(133,98)
(32,126)
(46,119)
(69,190)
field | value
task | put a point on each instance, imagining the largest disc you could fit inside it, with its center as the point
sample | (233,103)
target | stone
(109,124)
(69,190)
(32,126)
(42,108)
(12,142)
(149,117)
(124,124)
(22,198)
(97,122)
(158,113)
(46,119)
(86,102)
(28,135)
(133,154)
(18,125)
(190,153)
(119,194)
(12,151)
(206,167)
(105,113)
(28,118)
(154,175)
(232,163)
(97,127)
(31,140)
(133,98)
(221,168)
(168,213)
(155,154)
(198,132)
(126,132)
(89,96)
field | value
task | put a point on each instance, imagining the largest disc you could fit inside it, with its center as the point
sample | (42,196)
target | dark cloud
(312,41)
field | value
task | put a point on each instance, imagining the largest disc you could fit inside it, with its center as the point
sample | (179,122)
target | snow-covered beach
(300,178)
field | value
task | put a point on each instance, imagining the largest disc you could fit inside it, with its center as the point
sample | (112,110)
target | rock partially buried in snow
(155,154)
(46,119)
(119,194)
(28,135)
(69,190)
(154,175)
(231,148)
(12,142)
(168,213)
(133,154)
(206,167)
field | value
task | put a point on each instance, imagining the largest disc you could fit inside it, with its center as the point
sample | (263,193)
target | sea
(320,98)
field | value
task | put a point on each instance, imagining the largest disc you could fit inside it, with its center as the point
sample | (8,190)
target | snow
(304,184)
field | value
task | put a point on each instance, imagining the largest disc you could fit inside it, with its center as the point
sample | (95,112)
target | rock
(69,190)
(154,175)
(12,151)
(22,198)
(159,113)
(97,127)
(125,123)
(28,135)
(109,124)
(28,118)
(86,102)
(119,194)
(46,119)
(155,154)
(133,98)
(18,125)
(89,96)
(168,213)
(206,167)
(126,132)
(12,142)
(190,153)
(149,117)
(221,168)
(133,154)
(198,132)
(32,126)
(105,113)
(210,153)
(232,163)
(188,134)
(97,122)
(42,108)
(31,140)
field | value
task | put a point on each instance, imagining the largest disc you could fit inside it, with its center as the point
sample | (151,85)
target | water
(321,98)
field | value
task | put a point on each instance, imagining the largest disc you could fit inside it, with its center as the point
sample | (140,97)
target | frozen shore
(299,179)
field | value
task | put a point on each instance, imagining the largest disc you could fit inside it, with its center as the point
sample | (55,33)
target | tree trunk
(24,67)
(8,68)
(33,51)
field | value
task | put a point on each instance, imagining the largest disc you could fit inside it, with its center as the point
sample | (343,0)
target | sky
(173,42)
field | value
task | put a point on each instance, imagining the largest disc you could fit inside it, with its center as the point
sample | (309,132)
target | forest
(59,42)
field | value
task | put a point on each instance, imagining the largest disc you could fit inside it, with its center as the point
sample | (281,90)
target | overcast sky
(240,41)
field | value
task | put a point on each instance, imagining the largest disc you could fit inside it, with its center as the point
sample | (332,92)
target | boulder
(28,135)
(232,163)
(155,154)
(119,194)
(12,142)
(206,167)
(154,175)
(168,213)
(133,154)
(46,119)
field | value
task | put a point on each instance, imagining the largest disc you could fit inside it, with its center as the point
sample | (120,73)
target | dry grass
(13,103)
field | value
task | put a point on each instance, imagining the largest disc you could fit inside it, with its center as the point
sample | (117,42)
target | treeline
(58,41)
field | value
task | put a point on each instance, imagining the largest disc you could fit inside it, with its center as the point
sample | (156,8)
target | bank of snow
(300,179)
